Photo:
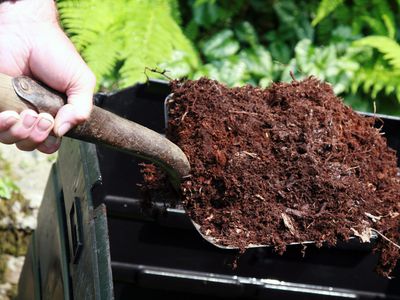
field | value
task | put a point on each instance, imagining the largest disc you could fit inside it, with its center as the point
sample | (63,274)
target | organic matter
(290,163)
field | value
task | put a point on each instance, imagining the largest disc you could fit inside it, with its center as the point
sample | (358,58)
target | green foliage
(7,187)
(324,9)
(387,46)
(236,57)
(383,74)
(376,79)
(375,22)
(351,44)
(372,16)
(120,38)
(326,63)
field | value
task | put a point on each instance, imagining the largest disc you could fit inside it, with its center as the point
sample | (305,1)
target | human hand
(33,44)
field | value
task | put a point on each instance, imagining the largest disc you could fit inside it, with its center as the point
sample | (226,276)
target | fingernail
(51,141)
(63,128)
(44,124)
(11,121)
(29,120)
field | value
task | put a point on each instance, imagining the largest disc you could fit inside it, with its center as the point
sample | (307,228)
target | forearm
(28,11)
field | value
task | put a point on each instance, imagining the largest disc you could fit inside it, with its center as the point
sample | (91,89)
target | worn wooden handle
(9,100)
(103,127)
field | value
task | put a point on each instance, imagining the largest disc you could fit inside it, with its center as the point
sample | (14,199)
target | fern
(375,15)
(125,36)
(387,46)
(324,9)
(377,79)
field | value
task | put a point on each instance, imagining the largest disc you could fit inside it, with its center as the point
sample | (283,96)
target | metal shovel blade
(215,242)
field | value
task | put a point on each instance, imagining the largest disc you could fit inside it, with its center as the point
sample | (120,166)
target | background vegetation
(351,44)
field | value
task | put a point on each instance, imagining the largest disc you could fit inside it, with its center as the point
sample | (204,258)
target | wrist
(27,11)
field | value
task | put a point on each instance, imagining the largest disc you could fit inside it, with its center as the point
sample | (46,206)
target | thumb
(80,103)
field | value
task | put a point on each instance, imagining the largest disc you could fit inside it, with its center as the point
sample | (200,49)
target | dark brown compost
(290,163)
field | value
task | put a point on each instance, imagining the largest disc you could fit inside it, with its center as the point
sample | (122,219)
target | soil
(290,163)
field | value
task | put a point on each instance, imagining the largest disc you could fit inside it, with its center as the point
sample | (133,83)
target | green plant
(328,63)
(382,74)
(7,188)
(378,73)
(324,9)
(120,38)
(236,57)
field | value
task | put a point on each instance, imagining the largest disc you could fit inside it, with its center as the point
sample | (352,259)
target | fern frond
(385,11)
(387,46)
(390,26)
(136,33)
(175,11)
(324,9)
(102,62)
(377,79)
(377,25)
(155,36)
(85,20)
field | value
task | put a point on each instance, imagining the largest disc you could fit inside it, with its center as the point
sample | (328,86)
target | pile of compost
(290,163)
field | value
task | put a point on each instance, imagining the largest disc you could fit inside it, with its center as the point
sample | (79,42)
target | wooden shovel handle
(102,127)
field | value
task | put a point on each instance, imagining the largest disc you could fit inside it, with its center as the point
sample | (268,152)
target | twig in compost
(372,217)
(243,112)
(386,238)
(154,70)
(292,75)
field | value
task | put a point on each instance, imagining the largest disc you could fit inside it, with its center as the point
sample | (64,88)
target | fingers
(8,119)
(80,96)
(80,103)
(61,67)
(21,129)
(37,133)
(28,130)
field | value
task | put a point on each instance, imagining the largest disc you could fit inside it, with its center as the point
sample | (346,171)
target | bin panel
(88,245)
(29,281)
(50,240)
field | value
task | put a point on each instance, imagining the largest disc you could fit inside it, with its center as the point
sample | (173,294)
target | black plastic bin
(94,241)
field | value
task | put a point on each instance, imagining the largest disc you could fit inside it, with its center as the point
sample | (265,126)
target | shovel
(105,128)
(102,127)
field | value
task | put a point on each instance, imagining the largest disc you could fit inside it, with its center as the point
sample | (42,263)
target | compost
(290,163)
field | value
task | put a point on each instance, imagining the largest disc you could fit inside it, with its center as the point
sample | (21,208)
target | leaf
(390,26)
(324,9)
(7,187)
(377,26)
(245,32)
(205,13)
(232,72)
(120,38)
(387,81)
(387,46)
(221,45)
(258,61)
